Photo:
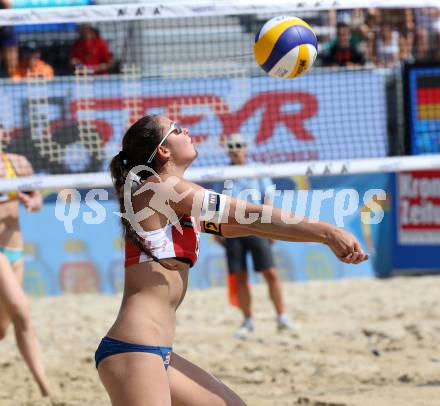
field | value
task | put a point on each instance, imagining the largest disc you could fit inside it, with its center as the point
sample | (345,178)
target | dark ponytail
(138,143)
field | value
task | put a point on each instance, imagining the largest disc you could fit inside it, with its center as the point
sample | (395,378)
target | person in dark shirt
(341,52)
(8,43)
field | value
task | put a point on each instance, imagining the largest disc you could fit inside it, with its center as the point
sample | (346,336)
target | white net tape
(315,168)
(158,10)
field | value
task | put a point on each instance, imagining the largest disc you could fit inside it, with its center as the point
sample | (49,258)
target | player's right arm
(233,217)
(32,200)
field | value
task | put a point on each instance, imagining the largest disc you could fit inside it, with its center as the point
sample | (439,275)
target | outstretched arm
(239,218)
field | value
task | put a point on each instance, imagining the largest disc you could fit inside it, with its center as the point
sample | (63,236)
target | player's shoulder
(21,164)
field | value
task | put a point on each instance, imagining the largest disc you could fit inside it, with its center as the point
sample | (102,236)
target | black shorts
(237,249)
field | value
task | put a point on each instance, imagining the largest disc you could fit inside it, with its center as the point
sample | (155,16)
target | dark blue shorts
(110,346)
(237,249)
(8,37)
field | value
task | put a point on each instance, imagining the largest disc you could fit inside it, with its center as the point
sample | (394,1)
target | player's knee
(3,331)
(19,313)
(271,275)
(242,279)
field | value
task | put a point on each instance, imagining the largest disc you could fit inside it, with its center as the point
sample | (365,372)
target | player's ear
(164,153)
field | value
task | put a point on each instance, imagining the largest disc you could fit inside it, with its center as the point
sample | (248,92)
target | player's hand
(32,202)
(345,246)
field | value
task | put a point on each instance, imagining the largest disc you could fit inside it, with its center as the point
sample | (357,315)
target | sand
(360,342)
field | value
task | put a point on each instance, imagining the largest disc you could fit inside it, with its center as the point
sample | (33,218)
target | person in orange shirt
(31,65)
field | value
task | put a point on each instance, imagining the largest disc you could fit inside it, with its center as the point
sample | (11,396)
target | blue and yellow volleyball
(285,47)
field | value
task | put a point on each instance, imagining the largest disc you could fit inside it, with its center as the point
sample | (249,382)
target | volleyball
(285,47)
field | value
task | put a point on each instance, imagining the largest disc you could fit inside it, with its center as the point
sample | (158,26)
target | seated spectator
(363,34)
(405,42)
(342,52)
(437,48)
(387,46)
(31,65)
(8,43)
(427,18)
(91,50)
(422,49)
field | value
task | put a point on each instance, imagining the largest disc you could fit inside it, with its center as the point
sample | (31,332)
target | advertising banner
(417,221)
(311,120)
(423,109)
(77,248)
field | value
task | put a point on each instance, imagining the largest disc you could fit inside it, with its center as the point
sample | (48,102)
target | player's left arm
(224,229)
(32,200)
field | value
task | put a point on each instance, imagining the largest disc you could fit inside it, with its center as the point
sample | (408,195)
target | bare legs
(274,287)
(14,308)
(135,379)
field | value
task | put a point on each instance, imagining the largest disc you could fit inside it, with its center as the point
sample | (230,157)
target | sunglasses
(232,146)
(173,128)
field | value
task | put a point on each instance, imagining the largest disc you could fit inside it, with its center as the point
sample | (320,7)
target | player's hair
(341,24)
(138,143)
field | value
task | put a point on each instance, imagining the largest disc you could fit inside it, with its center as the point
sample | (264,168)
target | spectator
(437,48)
(422,51)
(363,34)
(8,43)
(341,52)
(405,42)
(427,18)
(387,46)
(400,18)
(31,65)
(91,50)
(237,248)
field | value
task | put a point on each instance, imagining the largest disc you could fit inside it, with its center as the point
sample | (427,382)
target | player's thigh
(11,292)
(192,386)
(18,268)
(135,379)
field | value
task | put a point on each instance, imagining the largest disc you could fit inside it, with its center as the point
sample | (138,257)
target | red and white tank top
(166,242)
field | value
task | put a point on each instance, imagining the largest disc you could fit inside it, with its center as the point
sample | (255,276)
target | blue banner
(416,221)
(49,3)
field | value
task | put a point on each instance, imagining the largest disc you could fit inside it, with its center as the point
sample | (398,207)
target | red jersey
(166,242)
(91,52)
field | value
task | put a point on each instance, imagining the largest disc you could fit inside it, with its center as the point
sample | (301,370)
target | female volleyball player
(13,303)
(135,360)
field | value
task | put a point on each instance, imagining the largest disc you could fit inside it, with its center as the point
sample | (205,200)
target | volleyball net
(85,74)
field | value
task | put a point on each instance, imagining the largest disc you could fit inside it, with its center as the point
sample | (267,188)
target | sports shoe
(246,328)
(284,323)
